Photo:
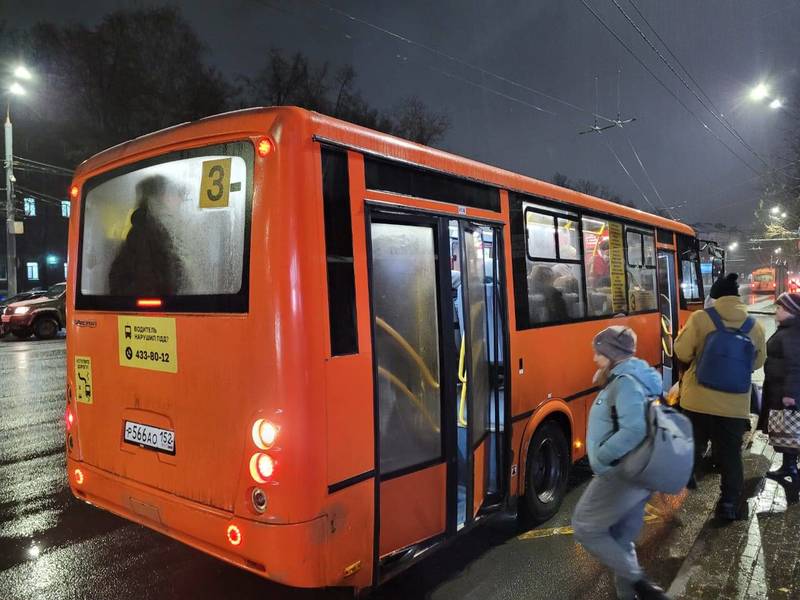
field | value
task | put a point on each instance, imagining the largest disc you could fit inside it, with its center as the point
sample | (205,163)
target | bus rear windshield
(174,228)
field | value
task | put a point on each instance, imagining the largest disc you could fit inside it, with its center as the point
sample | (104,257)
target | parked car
(43,317)
(28,295)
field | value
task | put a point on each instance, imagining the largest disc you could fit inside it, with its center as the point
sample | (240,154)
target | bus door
(668,305)
(439,412)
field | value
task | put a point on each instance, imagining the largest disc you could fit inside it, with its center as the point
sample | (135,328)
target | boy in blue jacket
(610,514)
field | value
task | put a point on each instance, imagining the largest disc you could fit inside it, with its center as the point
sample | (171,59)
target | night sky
(478,51)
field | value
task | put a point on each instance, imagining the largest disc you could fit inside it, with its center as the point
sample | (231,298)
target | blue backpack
(726,364)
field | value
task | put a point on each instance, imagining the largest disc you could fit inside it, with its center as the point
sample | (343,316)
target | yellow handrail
(410,395)
(462,377)
(427,375)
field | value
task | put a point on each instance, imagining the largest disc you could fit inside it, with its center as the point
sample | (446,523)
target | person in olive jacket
(782,383)
(721,417)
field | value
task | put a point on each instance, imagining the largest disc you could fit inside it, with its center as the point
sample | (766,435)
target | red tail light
(79,477)
(148,302)
(69,418)
(262,467)
(73,192)
(234,535)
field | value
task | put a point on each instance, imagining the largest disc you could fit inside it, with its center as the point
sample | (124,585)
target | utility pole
(11,240)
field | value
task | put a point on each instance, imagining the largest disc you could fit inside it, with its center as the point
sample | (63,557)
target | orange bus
(316,351)
(763,281)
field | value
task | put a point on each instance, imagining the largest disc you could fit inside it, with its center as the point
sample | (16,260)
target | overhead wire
(37,163)
(723,122)
(628,173)
(665,86)
(46,198)
(649,179)
(460,61)
(491,90)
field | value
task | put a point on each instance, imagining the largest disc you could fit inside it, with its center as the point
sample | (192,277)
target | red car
(42,317)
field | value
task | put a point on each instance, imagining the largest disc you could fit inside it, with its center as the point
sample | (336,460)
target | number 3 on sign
(215,184)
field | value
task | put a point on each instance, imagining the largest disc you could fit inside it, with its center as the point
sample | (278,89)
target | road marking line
(651,514)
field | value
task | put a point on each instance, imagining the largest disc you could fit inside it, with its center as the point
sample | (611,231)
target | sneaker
(647,590)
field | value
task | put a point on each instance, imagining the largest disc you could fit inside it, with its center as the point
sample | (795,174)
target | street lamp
(22,73)
(15,89)
(759,92)
(778,250)
(775,210)
(733,246)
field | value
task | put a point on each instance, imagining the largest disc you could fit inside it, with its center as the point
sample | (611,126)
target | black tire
(45,328)
(546,473)
(22,334)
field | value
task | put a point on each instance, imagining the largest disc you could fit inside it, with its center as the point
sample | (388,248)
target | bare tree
(296,81)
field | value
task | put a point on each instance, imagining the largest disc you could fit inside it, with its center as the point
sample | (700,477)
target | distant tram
(762,281)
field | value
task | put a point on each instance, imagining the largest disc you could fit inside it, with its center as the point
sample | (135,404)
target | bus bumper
(292,554)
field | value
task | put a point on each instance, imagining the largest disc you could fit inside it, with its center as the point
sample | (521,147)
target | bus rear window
(174,228)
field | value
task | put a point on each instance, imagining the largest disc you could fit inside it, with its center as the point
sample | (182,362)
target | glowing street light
(15,89)
(776,104)
(22,73)
(733,245)
(778,250)
(758,93)
(775,210)
(783,215)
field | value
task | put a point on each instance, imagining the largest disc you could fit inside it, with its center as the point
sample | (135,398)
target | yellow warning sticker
(83,379)
(148,343)
(215,184)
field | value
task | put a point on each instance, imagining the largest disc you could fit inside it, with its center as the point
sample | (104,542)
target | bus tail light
(264,147)
(79,478)
(234,535)
(262,467)
(69,418)
(148,302)
(264,434)
(73,192)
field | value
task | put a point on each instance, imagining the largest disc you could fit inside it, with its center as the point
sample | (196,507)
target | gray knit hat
(790,302)
(615,343)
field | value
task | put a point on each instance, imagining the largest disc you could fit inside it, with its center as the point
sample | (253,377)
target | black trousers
(725,434)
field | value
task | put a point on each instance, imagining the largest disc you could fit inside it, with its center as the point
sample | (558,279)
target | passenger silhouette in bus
(554,305)
(147,262)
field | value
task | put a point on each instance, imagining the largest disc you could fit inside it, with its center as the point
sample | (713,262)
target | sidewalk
(754,559)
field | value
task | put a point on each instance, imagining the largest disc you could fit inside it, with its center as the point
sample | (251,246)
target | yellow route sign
(148,343)
(215,184)
(83,379)
(616,247)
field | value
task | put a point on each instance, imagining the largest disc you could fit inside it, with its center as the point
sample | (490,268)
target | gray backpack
(663,461)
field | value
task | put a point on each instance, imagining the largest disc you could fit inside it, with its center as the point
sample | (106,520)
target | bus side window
(641,270)
(339,253)
(553,265)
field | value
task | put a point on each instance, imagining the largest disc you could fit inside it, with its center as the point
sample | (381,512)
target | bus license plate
(155,438)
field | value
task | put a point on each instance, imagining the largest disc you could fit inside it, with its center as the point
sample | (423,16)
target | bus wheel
(45,328)
(546,472)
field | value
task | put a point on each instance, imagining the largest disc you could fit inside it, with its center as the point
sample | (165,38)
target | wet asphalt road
(53,546)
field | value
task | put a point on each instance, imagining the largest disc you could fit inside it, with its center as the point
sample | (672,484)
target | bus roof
(255,121)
